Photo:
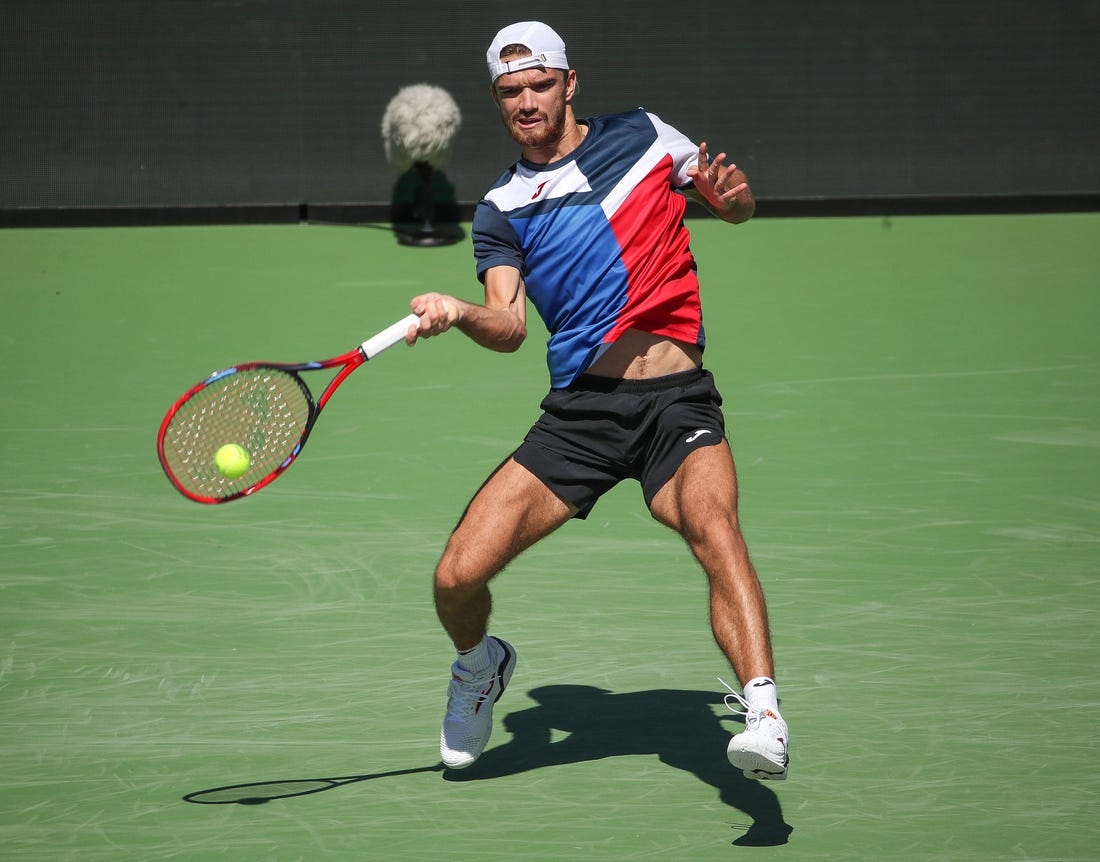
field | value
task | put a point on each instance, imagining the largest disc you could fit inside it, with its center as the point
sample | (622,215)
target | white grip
(388,337)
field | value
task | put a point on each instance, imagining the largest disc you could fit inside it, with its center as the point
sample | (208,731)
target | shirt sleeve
(684,152)
(495,241)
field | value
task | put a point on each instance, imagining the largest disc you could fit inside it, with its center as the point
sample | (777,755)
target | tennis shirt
(599,239)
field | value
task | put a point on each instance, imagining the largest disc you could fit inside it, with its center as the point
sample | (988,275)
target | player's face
(532,105)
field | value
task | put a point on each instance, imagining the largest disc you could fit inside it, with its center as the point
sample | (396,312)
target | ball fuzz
(232,461)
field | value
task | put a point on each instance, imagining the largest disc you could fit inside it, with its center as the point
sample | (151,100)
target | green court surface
(915,409)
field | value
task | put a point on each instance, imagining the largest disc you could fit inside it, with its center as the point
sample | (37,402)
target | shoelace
(752,714)
(465,696)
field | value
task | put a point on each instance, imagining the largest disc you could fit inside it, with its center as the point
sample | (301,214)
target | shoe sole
(757,766)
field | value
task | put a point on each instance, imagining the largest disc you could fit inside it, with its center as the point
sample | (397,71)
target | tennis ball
(232,461)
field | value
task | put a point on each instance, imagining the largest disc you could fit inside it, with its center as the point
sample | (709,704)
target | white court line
(925,375)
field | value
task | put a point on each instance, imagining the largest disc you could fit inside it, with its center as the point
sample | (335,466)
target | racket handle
(388,337)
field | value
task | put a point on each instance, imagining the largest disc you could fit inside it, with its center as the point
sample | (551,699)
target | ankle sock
(761,692)
(477,659)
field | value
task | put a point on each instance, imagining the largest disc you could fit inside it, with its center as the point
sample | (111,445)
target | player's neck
(572,135)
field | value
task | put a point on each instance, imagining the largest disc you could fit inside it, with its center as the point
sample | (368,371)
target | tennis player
(587,225)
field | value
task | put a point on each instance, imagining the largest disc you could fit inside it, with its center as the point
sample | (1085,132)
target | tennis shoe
(470,699)
(760,750)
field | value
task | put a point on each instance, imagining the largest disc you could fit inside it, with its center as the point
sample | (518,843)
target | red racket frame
(391,335)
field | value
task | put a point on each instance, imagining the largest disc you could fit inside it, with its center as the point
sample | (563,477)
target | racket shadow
(679,727)
(259,792)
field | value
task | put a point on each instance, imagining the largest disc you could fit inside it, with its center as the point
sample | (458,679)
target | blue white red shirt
(599,239)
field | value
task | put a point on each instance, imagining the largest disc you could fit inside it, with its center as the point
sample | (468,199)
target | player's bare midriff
(641,355)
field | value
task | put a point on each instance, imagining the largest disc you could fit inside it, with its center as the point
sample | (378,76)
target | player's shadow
(679,727)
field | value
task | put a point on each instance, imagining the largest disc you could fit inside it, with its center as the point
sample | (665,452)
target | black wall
(163,103)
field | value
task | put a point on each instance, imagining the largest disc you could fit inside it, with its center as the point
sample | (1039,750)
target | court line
(926,375)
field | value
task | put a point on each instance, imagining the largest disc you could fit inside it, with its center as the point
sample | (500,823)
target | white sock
(477,659)
(761,692)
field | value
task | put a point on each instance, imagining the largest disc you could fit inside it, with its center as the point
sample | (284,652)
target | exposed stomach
(640,355)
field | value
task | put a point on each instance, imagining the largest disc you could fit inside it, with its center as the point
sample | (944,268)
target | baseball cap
(547,48)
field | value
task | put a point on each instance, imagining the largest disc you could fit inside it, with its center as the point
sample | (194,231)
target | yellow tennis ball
(232,461)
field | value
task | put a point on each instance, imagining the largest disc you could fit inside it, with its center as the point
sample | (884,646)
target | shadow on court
(259,792)
(679,727)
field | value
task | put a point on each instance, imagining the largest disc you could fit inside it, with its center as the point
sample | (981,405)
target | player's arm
(498,324)
(723,189)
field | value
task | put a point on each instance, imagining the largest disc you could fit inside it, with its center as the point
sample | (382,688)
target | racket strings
(264,410)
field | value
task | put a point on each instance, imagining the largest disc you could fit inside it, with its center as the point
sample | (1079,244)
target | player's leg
(700,503)
(511,512)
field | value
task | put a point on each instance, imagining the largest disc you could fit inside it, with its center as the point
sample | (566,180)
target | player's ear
(571,84)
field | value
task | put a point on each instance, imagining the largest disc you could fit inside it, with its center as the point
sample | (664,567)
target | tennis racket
(264,407)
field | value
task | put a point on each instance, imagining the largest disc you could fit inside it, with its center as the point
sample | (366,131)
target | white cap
(547,49)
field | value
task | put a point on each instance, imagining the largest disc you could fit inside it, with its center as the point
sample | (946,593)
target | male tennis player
(588,226)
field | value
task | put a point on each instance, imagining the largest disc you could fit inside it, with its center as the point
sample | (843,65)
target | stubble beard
(547,134)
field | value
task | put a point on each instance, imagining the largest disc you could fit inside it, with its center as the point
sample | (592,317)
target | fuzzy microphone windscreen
(419,125)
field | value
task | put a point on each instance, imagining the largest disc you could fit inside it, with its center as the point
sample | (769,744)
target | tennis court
(914,406)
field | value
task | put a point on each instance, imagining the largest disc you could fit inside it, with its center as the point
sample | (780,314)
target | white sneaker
(760,750)
(470,698)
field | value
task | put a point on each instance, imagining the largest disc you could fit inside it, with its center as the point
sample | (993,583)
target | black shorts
(599,431)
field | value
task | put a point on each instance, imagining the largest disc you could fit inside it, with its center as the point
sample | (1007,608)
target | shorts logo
(697,435)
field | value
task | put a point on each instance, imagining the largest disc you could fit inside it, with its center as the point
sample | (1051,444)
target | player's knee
(447,579)
(715,532)
(457,574)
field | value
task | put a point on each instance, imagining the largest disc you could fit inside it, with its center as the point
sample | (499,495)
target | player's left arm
(723,189)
